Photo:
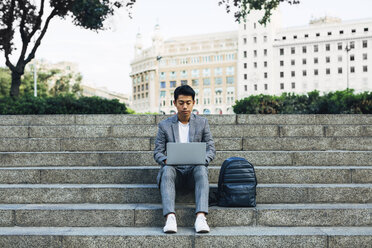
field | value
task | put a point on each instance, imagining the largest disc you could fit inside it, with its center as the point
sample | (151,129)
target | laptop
(186,153)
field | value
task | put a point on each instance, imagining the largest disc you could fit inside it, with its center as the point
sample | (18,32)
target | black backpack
(236,184)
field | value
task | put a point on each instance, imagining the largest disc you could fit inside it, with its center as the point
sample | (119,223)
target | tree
(49,83)
(244,7)
(28,17)
(63,87)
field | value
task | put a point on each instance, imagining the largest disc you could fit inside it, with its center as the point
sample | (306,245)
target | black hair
(184,90)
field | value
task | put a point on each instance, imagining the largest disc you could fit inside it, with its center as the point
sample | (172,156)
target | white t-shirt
(183,130)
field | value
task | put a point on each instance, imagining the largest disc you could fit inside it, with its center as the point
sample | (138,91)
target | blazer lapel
(176,134)
(192,128)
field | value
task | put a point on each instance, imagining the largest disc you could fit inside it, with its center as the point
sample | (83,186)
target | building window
(293,50)
(339,46)
(364,56)
(292,62)
(329,33)
(245,26)
(365,29)
(245,88)
(281,86)
(339,58)
(304,49)
(317,34)
(265,86)
(195,73)
(352,57)
(341,31)
(304,61)
(365,68)
(353,31)
(293,85)
(339,70)
(255,64)
(352,44)
(282,74)
(284,38)
(328,59)
(255,53)
(147,86)
(138,88)
(245,76)
(184,73)
(134,97)
(328,71)
(206,72)
(162,75)
(172,84)
(365,44)
(316,72)
(304,73)
(183,82)
(206,81)
(142,87)
(281,51)
(254,25)
(306,36)
(195,82)
(230,70)
(134,89)
(218,71)
(328,47)
(245,41)
(229,80)
(265,74)
(254,39)
(293,73)
(315,60)
(265,63)
(245,65)
(245,54)
(173,75)
(352,69)
(265,52)
(147,94)
(281,63)
(316,48)
(255,87)
(294,37)
(265,38)
(218,80)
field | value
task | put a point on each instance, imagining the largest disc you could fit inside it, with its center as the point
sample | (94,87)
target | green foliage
(62,86)
(339,102)
(66,104)
(244,7)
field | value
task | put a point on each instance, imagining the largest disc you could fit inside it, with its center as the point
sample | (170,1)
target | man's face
(184,105)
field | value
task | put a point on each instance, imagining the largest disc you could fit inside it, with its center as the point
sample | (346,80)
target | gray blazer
(168,132)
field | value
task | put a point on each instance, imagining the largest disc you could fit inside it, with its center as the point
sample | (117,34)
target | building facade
(327,55)
(205,62)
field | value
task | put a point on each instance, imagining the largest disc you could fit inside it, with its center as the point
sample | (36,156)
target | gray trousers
(183,178)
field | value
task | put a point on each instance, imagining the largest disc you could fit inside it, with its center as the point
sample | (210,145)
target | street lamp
(347,49)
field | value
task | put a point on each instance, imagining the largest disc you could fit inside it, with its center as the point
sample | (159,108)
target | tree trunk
(16,82)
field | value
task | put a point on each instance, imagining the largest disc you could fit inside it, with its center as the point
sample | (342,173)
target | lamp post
(347,49)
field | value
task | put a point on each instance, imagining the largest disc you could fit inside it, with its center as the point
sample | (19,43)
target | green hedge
(339,102)
(60,105)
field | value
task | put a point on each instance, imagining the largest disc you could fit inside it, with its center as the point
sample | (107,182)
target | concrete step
(222,130)
(149,193)
(221,144)
(25,120)
(146,215)
(145,158)
(115,237)
(147,175)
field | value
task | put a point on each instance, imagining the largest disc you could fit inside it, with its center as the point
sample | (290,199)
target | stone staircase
(89,181)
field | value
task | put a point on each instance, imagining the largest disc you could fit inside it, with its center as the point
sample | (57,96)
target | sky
(104,57)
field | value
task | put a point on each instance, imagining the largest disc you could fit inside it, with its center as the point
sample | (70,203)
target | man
(184,127)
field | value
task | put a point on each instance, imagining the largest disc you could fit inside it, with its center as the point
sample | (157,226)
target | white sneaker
(201,225)
(170,224)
